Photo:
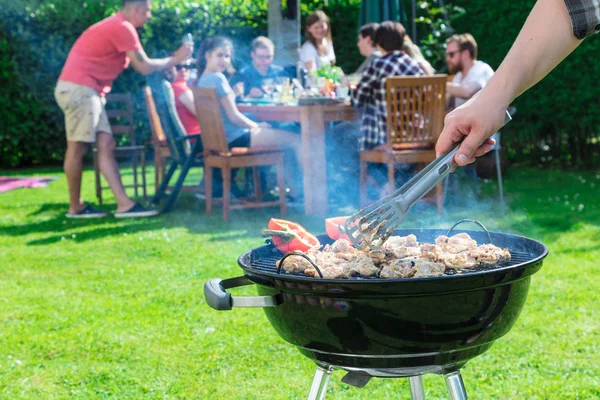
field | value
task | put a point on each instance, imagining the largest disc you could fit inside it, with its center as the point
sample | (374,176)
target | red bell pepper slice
(289,236)
(332,227)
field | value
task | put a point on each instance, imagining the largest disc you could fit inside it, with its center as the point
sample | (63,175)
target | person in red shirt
(98,56)
(184,99)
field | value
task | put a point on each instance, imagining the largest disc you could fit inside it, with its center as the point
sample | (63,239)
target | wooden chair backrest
(208,112)
(415,110)
(158,135)
(119,110)
(175,130)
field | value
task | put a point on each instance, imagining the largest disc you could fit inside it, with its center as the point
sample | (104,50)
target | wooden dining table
(313,120)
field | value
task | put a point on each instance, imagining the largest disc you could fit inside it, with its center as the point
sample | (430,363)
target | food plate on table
(254,100)
(320,100)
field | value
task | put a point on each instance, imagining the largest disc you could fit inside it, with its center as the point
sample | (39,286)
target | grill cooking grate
(264,261)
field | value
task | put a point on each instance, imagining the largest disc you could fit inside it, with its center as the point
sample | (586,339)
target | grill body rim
(410,325)
(530,252)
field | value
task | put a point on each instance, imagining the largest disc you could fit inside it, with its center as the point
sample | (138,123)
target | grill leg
(456,387)
(319,383)
(417,390)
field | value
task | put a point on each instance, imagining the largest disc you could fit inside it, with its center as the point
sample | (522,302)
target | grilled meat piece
(400,241)
(456,244)
(488,254)
(362,265)
(412,268)
(459,261)
(294,264)
(399,257)
(342,246)
(451,260)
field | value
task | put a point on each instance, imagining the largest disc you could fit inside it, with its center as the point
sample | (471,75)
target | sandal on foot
(137,211)
(87,212)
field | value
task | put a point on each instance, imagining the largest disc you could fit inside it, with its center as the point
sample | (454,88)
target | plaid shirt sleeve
(371,92)
(365,95)
(364,90)
(585,17)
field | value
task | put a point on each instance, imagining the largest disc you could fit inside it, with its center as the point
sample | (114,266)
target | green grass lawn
(114,308)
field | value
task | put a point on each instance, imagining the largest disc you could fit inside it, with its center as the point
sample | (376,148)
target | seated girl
(184,99)
(214,59)
(317,50)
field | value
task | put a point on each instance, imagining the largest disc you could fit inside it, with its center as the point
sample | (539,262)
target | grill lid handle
(215,293)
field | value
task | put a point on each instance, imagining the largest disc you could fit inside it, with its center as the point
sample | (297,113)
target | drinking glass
(268,86)
(187,38)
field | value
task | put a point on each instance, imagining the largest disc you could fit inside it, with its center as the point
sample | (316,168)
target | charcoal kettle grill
(389,328)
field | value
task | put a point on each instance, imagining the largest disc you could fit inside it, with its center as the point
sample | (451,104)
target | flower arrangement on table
(326,79)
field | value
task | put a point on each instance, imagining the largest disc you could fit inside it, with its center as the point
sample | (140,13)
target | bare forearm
(144,65)
(462,91)
(160,64)
(242,121)
(544,41)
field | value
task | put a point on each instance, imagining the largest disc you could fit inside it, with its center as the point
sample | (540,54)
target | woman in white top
(317,50)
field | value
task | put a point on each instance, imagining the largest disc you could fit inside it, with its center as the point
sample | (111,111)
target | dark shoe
(137,211)
(87,212)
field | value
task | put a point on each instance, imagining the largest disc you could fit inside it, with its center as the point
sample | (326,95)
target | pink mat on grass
(8,183)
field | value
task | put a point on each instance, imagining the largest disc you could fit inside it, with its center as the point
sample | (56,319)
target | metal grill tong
(374,224)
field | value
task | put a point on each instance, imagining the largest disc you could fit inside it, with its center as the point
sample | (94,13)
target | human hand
(255,92)
(475,121)
(238,89)
(184,52)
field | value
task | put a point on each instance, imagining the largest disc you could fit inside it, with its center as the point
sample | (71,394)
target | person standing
(470,74)
(98,56)
(552,31)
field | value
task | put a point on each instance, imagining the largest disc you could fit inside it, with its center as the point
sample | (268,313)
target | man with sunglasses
(262,67)
(470,74)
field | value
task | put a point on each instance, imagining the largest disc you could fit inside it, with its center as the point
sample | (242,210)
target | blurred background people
(370,91)
(214,57)
(471,75)
(179,76)
(414,52)
(98,56)
(366,46)
(371,94)
(317,50)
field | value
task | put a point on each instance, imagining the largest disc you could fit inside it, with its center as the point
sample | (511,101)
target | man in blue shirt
(262,67)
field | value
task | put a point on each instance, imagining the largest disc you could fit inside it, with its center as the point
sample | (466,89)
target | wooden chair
(119,109)
(218,155)
(158,141)
(185,150)
(415,117)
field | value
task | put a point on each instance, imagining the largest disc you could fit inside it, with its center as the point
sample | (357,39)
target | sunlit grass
(114,309)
